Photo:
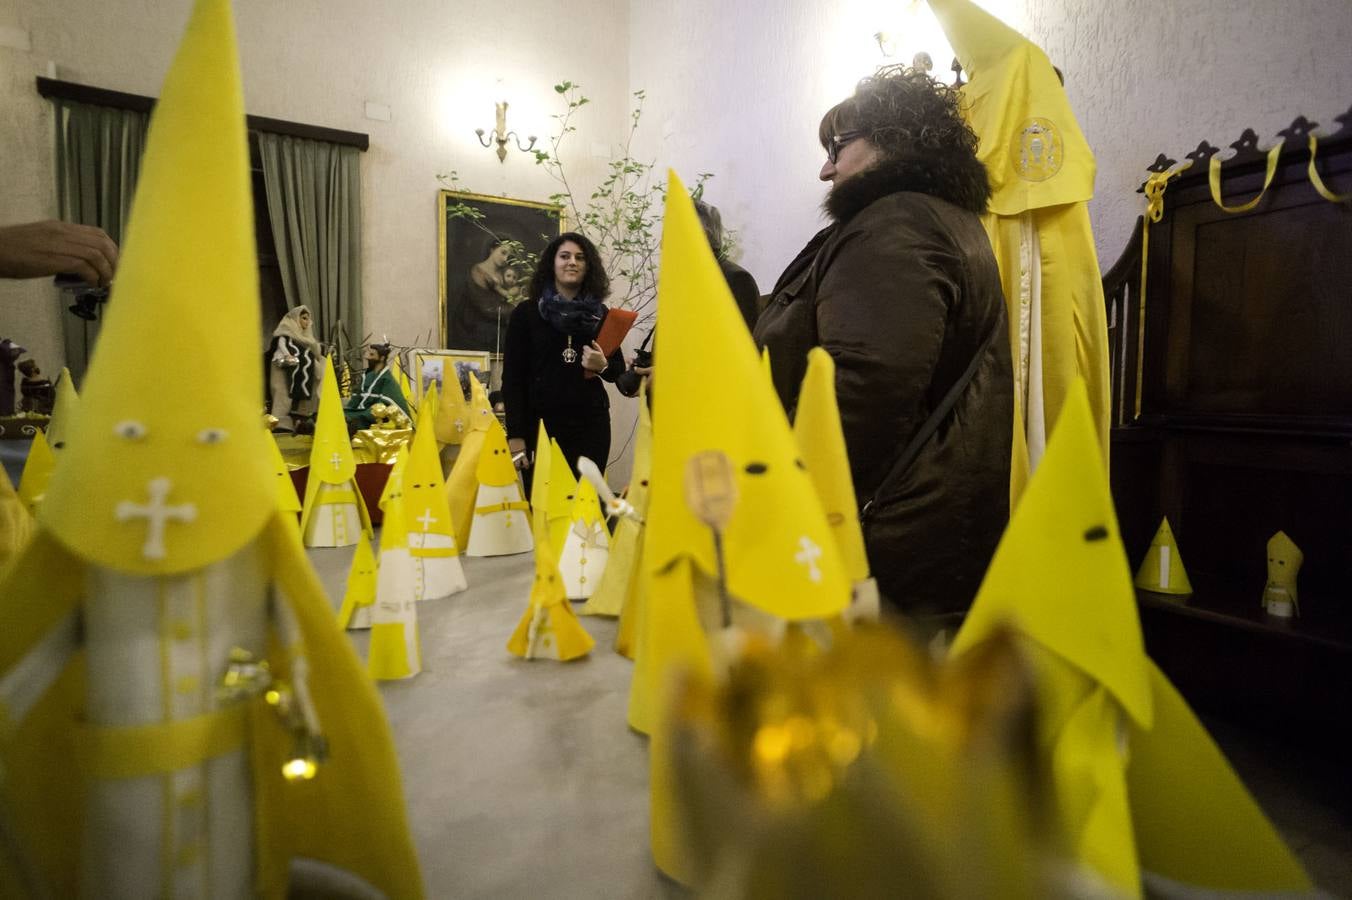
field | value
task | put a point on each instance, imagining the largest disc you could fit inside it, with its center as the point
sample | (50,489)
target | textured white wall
(737,88)
(436,64)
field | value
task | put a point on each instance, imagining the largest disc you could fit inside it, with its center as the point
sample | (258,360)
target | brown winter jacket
(903,291)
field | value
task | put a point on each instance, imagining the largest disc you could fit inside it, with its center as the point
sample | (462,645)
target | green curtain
(98,156)
(314,203)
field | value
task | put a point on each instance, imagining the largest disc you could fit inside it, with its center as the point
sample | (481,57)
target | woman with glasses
(903,291)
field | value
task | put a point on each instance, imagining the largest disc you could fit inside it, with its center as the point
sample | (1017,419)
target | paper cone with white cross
(334,514)
(586,545)
(777,549)
(396,649)
(165,594)
(453,413)
(502,519)
(462,484)
(431,533)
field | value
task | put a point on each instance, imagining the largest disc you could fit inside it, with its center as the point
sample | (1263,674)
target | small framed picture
(444,367)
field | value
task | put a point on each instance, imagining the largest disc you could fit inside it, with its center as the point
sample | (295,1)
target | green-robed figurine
(378,385)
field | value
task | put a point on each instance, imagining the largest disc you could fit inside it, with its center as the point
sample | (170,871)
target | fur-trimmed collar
(959,179)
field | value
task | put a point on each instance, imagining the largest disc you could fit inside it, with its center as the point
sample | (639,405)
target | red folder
(614,327)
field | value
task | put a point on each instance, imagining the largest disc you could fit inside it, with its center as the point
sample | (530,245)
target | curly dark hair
(595,281)
(905,114)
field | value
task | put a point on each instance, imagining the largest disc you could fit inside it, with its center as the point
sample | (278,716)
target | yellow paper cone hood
(397,373)
(1281,547)
(562,483)
(167,474)
(424,487)
(780,552)
(287,498)
(539,479)
(1162,569)
(453,413)
(1060,575)
(361,582)
(36,476)
(821,444)
(482,416)
(495,459)
(63,412)
(587,504)
(331,457)
(393,531)
(1031,143)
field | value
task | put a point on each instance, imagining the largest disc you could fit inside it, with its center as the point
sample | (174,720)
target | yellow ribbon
(1272,156)
(1154,189)
(501,507)
(432,552)
(1319,182)
(135,751)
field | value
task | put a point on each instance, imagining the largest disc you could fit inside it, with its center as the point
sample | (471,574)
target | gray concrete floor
(523,779)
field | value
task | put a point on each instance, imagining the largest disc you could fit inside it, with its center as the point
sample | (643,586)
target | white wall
(436,64)
(740,87)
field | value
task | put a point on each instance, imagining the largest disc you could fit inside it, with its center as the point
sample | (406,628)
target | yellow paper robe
(63,411)
(539,481)
(616,594)
(1042,176)
(502,519)
(431,532)
(159,549)
(396,650)
(462,484)
(1162,569)
(586,547)
(549,629)
(1138,785)
(334,514)
(37,472)
(361,589)
(821,445)
(779,555)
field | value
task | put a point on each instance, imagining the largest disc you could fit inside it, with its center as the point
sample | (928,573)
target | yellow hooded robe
(334,513)
(453,413)
(160,549)
(462,484)
(37,473)
(396,650)
(63,411)
(1042,177)
(502,519)
(361,589)
(586,548)
(549,629)
(1137,783)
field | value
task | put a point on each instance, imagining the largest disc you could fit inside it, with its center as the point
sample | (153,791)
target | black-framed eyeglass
(838,142)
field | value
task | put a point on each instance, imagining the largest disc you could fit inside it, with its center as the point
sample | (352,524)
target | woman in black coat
(550,346)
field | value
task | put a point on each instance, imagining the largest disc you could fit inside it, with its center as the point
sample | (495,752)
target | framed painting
(456,366)
(488,247)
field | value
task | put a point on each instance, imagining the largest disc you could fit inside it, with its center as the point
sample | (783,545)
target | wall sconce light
(501,135)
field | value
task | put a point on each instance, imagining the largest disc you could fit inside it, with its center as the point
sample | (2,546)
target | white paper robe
(335,520)
(499,532)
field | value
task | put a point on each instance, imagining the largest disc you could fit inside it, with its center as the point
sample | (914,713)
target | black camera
(629,381)
(87,297)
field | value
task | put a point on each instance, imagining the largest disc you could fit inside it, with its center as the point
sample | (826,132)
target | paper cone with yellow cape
(559,500)
(360,594)
(1137,784)
(1042,177)
(138,748)
(549,629)
(462,484)
(287,498)
(431,533)
(779,556)
(334,513)
(616,594)
(539,481)
(63,411)
(37,473)
(586,546)
(502,519)
(821,445)
(1162,569)
(396,651)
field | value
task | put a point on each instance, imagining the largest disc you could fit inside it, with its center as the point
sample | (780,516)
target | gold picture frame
(478,284)
(432,365)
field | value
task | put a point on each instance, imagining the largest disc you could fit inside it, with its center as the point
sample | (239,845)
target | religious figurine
(293,374)
(9,353)
(171,675)
(36,394)
(378,385)
(1284,559)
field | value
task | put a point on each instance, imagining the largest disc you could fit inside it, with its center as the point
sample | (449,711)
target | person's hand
(594,358)
(53,248)
(517,447)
